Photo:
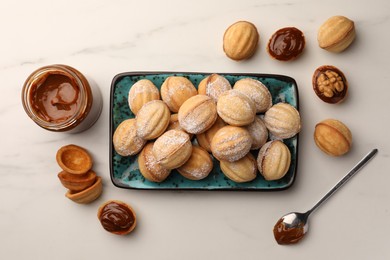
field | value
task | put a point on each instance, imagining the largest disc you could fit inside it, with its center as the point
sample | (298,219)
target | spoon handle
(346,178)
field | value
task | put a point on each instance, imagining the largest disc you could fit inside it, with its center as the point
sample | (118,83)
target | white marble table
(103,38)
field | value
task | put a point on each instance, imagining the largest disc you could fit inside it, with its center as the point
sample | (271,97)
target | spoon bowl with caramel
(292,227)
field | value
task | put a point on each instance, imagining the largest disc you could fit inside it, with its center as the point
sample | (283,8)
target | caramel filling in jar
(59,98)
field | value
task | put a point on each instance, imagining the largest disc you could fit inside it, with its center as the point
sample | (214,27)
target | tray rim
(145,73)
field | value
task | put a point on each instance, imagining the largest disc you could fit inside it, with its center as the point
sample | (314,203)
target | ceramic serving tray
(125,171)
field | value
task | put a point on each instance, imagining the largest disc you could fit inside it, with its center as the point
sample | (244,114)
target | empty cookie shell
(88,195)
(74,159)
(77,182)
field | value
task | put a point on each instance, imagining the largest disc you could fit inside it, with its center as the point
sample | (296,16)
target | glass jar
(60,99)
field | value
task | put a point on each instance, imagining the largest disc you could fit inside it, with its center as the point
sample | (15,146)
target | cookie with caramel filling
(172,149)
(197,114)
(236,108)
(117,217)
(175,90)
(213,86)
(149,167)
(231,143)
(243,170)
(198,166)
(125,139)
(141,93)
(152,120)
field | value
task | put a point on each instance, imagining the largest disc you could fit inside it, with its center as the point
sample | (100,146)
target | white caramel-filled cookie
(125,140)
(257,91)
(243,170)
(152,119)
(176,90)
(274,160)
(258,132)
(204,139)
(149,167)
(236,108)
(172,149)
(198,166)
(141,93)
(213,86)
(231,143)
(283,120)
(197,114)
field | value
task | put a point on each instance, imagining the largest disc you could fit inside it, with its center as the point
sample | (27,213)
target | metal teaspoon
(292,227)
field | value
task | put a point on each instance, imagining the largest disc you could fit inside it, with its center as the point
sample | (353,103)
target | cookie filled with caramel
(172,149)
(286,44)
(141,93)
(117,217)
(149,167)
(125,140)
(330,84)
(197,114)
(243,170)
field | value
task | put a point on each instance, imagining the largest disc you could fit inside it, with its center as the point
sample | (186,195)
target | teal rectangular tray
(124,171)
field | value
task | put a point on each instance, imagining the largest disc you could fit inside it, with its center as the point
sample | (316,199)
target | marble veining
(102,38)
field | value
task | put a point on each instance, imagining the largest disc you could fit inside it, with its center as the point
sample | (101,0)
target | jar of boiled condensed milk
(59,98)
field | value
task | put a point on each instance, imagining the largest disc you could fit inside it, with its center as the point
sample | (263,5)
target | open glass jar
(59,98)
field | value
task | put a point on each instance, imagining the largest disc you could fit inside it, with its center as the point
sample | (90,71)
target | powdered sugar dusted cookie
(213,86)
(149,167)
(236,108)
(198,166)
(141,93)
(231,143)
(257,91)
(176,90)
